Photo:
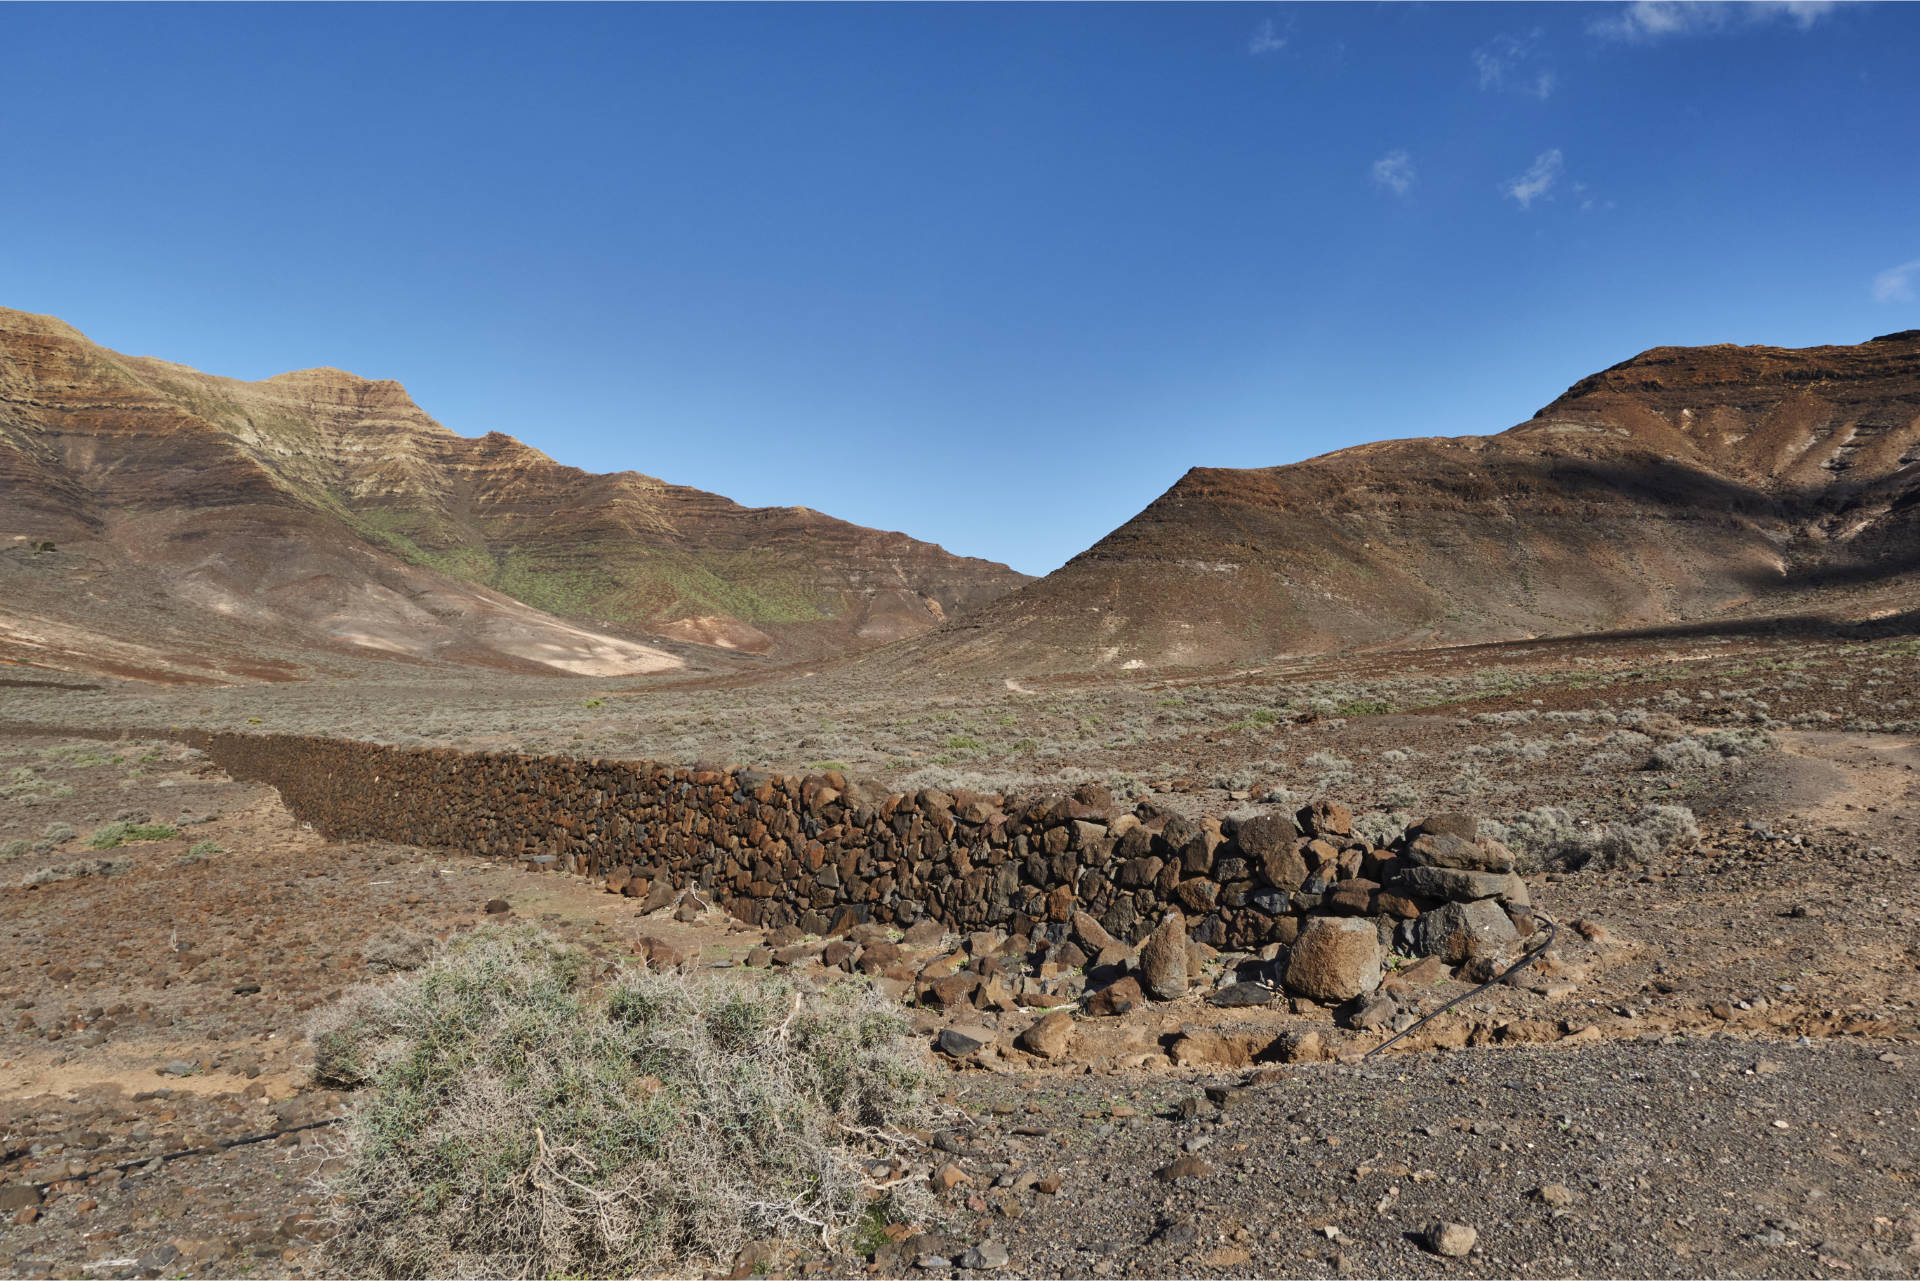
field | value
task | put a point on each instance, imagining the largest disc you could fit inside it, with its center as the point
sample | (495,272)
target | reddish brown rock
(1163,960)
(1050,1037)
(1335,959)
(1116,998)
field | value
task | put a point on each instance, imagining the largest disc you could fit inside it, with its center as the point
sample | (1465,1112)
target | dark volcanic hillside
(1685,484)
(196,519)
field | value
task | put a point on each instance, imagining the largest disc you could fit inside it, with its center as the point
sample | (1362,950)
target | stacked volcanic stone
(824,854)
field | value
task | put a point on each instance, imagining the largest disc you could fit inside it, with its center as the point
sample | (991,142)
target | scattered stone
(1050,1037)
(498,906)
(988,1255)
(1186,1167)
(1450,1240)
(1370,1012)
(959,1043)
(1239,995)
(1116,998)
(949,1176)
(19,1196)
(1557,1195)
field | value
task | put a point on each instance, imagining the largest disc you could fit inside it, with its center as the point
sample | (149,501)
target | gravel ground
(1713,1157)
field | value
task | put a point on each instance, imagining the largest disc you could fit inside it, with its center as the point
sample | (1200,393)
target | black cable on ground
(1534,954)
(211,1149)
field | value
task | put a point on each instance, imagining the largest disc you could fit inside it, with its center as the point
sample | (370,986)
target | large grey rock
(1375,1011)
(1459,932)
(1443,849)
(987,1256)
(1461,886)
(957,1042)
(1163,960)
(1335,959)
(1464,826)
(1236,995)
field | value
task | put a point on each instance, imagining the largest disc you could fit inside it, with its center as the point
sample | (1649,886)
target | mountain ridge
(89,437)
(1684,483)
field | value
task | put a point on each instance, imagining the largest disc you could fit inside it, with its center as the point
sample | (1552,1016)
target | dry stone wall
(825,853)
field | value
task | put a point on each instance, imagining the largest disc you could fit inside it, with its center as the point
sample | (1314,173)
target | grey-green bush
(522,1124)
(1550,837)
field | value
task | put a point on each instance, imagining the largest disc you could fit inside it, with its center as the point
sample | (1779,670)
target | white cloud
(1394,171)
(1645,20)
(1896,284)
(1508,63)
(1266,40)
(1538,180)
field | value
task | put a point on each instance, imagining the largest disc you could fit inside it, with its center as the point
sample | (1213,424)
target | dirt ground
(1715,1064)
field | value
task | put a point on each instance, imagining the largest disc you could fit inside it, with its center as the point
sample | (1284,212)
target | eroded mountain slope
(320,506)
(1684,484)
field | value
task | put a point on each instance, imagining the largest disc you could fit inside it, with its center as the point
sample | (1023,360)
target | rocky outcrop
(1684,485)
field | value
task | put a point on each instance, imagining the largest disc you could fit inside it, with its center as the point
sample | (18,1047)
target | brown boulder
(1091,936)
(1163,960)
(1327,818)
(1116,998)
(1265,834)
(1050,1037)
(1335,959)
(926,932)
(878,958)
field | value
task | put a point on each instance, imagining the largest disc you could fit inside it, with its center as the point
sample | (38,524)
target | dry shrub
(1550,838)
(524,1125)
(396,950)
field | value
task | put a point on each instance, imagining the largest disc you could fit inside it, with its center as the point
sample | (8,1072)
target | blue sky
(994,275)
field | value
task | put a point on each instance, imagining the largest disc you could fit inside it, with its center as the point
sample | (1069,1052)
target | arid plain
(1705,787)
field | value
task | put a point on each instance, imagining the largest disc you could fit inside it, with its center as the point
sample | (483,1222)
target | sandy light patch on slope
(720,631)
